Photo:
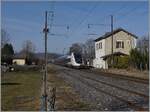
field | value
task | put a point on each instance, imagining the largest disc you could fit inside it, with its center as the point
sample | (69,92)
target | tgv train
(69,61)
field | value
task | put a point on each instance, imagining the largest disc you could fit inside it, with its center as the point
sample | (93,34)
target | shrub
(119,62)
(139,59)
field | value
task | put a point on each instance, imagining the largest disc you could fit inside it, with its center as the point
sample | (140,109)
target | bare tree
(143,50)
(89,51)
(85,53)
(28,49)
(76,48)
(4,38)
(143,44)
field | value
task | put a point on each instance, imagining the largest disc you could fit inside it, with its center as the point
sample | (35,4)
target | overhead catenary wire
(85,17)
(53,5)
(56,34)
(124,15)
(88,14)
(114,12)
(102,24)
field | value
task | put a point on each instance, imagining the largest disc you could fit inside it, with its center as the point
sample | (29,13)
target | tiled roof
(106,35)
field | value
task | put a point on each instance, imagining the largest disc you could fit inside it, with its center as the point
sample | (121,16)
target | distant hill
(50,56)
(40,55)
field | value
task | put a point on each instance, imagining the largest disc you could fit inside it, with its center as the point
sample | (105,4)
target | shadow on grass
(10,83)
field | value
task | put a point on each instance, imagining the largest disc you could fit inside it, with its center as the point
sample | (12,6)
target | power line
(56,25)
(124,15)
(61,25)
(144,12)
(116,11)
(107,25)
(86,16)
(52,5)
(56,34)
(98,25)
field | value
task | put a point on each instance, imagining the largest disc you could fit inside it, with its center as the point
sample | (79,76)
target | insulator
(46,30)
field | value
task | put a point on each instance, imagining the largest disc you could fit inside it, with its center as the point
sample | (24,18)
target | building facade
(123,42)
(19,61)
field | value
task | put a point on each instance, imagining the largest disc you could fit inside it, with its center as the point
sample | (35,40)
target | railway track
(138,80)
(131,104)
(111,85)
(112,75)
(115,86)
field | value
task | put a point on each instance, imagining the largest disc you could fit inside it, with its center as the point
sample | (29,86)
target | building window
(128,42)
(100,45)
(97,46)
(119,44)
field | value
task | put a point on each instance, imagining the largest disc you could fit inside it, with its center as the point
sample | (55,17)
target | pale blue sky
(25,21)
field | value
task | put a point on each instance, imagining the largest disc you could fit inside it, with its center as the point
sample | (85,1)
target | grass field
(21,90)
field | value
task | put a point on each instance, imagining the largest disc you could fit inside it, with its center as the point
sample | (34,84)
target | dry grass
(66,98)
(131,73)
(126,72)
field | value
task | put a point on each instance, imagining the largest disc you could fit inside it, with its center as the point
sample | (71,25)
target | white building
(19,61)
(123,42)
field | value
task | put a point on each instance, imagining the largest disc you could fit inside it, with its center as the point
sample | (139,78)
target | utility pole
(45,30)
(112,58)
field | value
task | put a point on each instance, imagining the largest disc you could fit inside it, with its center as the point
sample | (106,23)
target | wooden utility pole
(112,58)
(45,30)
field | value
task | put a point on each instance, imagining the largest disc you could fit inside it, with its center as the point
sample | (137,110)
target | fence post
(51,98)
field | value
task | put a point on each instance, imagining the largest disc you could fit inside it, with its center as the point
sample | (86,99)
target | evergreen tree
(7,53)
